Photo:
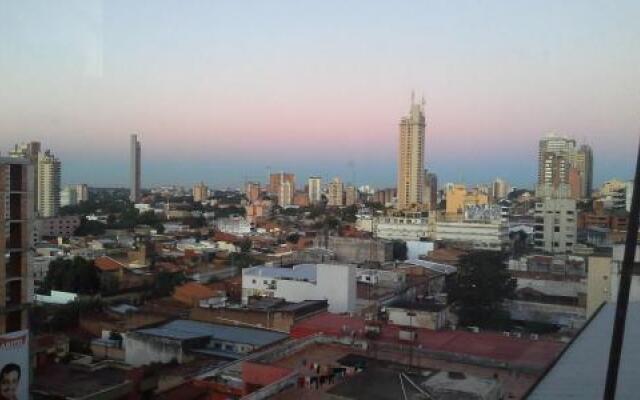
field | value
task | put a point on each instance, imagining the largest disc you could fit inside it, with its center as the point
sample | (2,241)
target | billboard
(14,366)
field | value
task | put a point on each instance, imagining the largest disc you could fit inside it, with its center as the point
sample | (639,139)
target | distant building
(332,282)
(335,193)
(385,197)
(411,151)
(16,219)
(68,196)
(30,152)
(200,192)
(458,198)
(487,235)
(356,250)
(284,194)
(301,199)
(82,192)
(315,189)
(561,163)
(252,191)
(403,226)
(350,196)
(500,189)
(555,229)
(135,169)
(48,184)
(53,227)
(430,196)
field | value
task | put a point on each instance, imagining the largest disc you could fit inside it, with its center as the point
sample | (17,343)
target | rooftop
(186,329)
(300,272)
(54,381)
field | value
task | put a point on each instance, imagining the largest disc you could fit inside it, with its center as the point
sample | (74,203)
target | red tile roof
(108,264)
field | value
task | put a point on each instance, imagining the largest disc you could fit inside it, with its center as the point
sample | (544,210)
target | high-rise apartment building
(560,162)
(16,224)
(68,196)
(315,189)
(411,157)
(29,151)
(350,196)
(430,196)
(200,192)
(499,189)
(555,229)
(285,195)
(584,164)
(48,184)
(134,169)
(82,192)
(335,193)
(252,191)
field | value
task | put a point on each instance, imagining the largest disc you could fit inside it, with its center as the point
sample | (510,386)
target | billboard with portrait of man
(14,366)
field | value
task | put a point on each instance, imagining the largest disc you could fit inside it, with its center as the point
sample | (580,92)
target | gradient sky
(220,90)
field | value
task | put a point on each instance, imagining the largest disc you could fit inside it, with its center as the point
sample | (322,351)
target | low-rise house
(197,295)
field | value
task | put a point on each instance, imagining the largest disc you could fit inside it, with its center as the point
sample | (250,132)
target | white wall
(416,248)
(142,352)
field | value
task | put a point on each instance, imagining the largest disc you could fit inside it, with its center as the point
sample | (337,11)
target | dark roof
(57,378)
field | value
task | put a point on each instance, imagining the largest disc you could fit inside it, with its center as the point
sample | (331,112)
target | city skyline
(216,101)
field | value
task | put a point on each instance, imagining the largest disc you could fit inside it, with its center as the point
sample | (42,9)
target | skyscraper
(134,196)
(315,189)
(29,151)
(499,189)
(82,192)
(335,193)
(200,192)
(252,191)
(411,157)
(584,164)
(48,184)
(276,181)
(350,195)
(430,196)
(16,225)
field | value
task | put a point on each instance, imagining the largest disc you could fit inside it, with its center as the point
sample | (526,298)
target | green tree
(77,275)
(166,281)
(482,283)
(89,228)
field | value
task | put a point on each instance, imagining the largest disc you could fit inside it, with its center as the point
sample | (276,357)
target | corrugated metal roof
(581,371)
(186,329)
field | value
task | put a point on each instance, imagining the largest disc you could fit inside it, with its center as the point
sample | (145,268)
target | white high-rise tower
(134,196)
(411,157)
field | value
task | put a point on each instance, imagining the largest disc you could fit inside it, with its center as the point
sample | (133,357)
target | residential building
(252,191)
(430,196)
(487,235)
(500,189)
(54,227)
(356,250)
(135,169)
(458,198)
(82,192)
(68,196)
(555,229)
(301,199)
(411,151)
(403,226)
(335,193)
(424,314)
(315,189)
(200,192)
(48,184)
(335,283)
(16,223)
(584,164)
(385,197)
(555,156)
(258,210)
(30,152)
(350,196)
(276,181)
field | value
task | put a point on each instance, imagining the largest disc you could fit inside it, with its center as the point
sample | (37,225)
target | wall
(355,250)
(569,316)
(280,321)
(598,283)
(143,350)
(420,319)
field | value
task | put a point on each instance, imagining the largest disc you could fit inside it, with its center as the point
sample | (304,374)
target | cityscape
(410,263)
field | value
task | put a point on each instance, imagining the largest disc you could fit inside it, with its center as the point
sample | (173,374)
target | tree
(89,228)
(77,275)
(166,281)
(399,250)
(482,283)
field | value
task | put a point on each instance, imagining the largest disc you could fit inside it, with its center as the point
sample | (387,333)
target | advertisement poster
(14,366)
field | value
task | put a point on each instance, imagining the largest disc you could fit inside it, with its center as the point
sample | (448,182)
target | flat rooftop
(183,329)
(67,381)
(300,272)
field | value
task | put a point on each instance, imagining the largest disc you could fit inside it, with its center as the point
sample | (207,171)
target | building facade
(411,158)
(200,192)
(315,189)
(135,168)
(350,196)
(48,184)
(283,185)
(252,191)
(335,193)
(16,223)
(555,229)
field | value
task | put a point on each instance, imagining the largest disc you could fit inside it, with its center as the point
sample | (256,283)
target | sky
(221,91)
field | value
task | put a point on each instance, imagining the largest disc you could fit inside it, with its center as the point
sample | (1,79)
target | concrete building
(30,152)
(53,227)
(458,198)
(335,283)
(134,169)
(284,194)
(48,184)
(426,315)
(184,340)
(500,189)
(560,162)
(430,196)
(355,250)
(584,164)
(555,229)
(82,192)
(411,157)
(200,192)
(252,191)
(315,189)
(68,196)
(487,235)
(350,196)
(403,226)
(16,224)
(335,193)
